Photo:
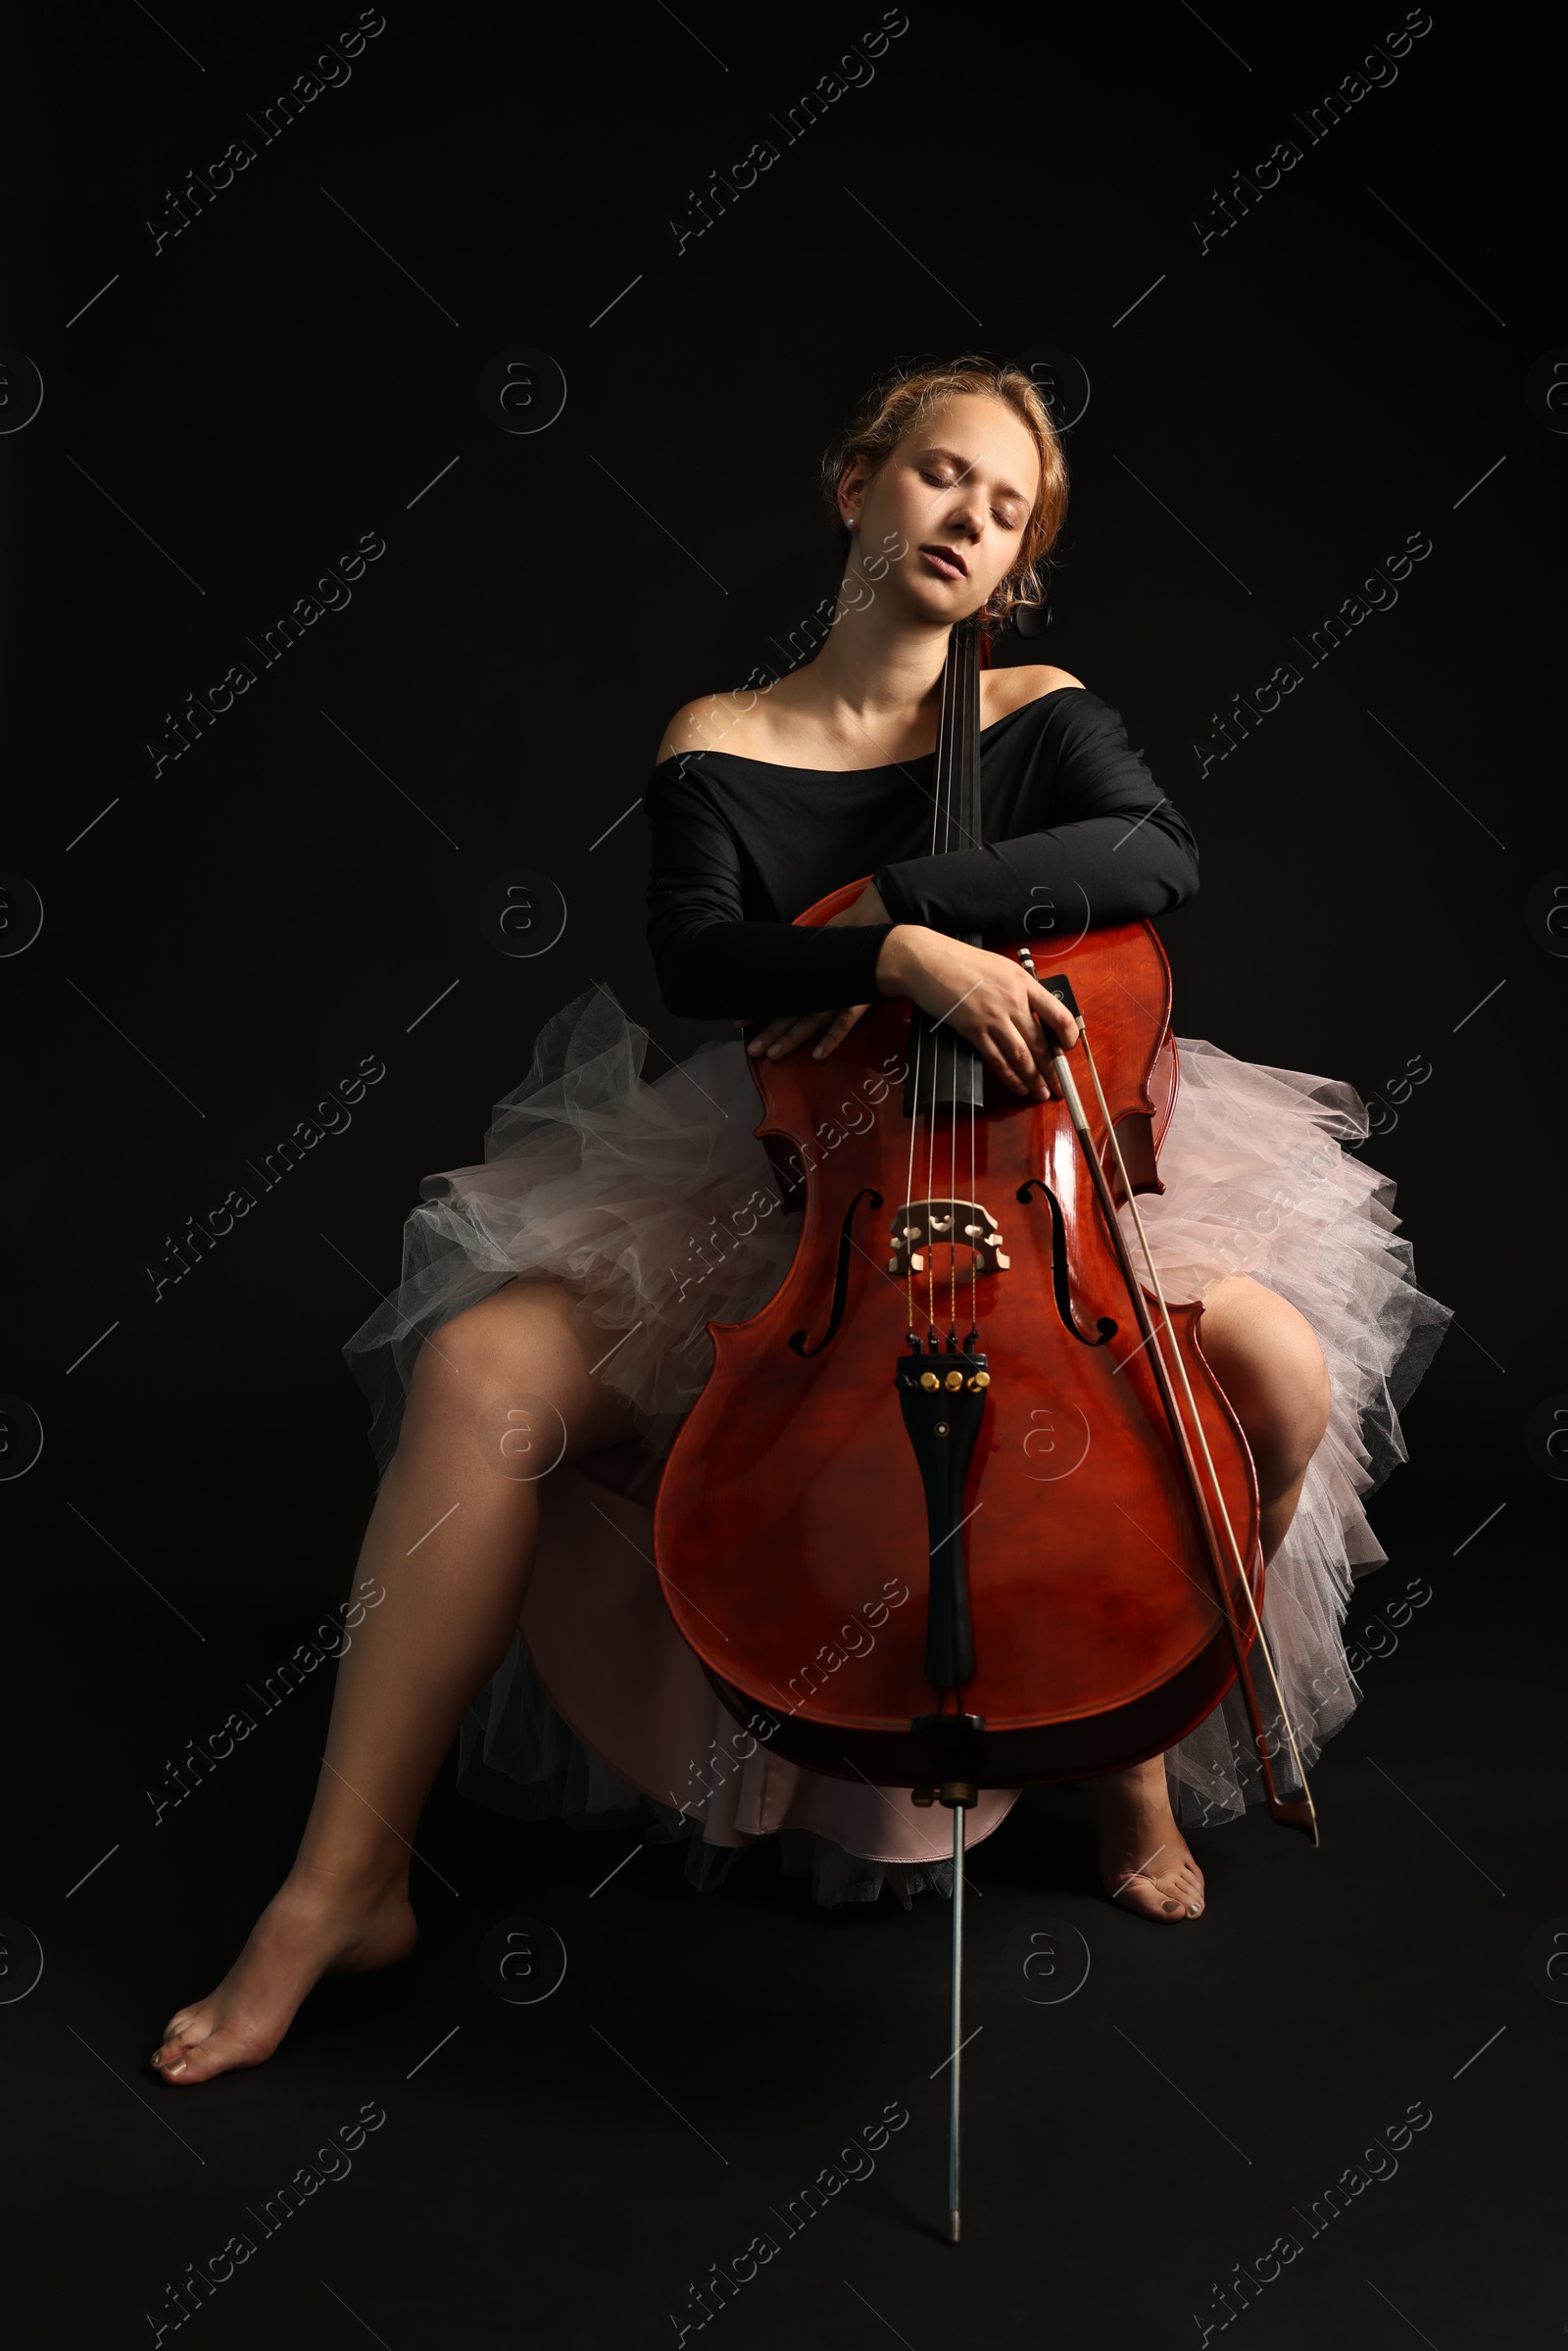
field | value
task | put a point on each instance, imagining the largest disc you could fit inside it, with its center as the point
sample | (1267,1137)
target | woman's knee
(520,1350)
(1301,1400)
(499,1342)
(1267,1359)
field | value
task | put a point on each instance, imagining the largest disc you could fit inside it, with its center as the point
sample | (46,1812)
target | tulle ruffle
(1258,1180)
(656,1203)
(628,1192)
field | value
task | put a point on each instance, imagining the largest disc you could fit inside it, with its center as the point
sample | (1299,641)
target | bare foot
(1145,1863)
(316,1923)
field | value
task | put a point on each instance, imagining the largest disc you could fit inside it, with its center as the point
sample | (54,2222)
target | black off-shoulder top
(1076,833)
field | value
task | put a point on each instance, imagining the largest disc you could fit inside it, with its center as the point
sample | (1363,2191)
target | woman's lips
(947,566)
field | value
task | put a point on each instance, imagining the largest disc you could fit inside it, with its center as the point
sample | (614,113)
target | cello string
(955,755)
(917,1026)
(960,644)
(976,1068)
(977,1086)
(967,816)
(943,808)
(1169,1334)
(946,732)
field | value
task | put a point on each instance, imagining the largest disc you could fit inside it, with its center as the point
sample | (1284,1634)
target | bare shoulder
(1009,689)
(699,725)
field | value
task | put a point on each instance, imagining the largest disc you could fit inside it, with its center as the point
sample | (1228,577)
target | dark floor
(567,2171)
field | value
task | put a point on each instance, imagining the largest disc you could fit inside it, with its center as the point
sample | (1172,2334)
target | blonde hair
(902,400)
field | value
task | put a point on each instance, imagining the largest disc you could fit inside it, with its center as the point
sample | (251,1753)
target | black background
(226,935)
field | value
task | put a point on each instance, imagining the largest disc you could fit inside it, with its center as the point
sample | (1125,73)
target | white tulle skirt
(626,1191)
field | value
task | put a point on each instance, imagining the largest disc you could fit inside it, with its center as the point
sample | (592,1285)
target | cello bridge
(924,1224)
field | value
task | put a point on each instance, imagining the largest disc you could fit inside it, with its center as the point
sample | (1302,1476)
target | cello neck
(956,820)
(945,1071)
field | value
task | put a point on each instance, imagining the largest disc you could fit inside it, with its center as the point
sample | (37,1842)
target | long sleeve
(1116,850)
(731,851)
(713,964)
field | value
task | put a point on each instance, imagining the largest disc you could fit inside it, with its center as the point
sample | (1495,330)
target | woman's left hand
(781,1036)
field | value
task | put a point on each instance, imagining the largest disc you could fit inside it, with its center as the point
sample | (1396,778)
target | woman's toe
(1149,1898)
(196,2059)
(179,2055)
(1188,1891)
(1174,1894)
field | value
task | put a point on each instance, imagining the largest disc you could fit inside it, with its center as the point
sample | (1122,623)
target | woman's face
(947,508)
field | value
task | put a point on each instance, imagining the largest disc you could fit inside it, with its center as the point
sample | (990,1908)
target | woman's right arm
(715,964)
(1013,1023)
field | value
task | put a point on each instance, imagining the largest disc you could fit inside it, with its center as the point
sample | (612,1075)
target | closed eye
(944,482)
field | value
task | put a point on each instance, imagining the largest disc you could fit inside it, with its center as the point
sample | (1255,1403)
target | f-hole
(1058,1265)
(841,1279)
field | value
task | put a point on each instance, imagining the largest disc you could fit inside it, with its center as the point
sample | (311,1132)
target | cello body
(799,1536)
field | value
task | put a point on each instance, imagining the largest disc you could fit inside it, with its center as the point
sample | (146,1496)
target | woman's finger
(842,1025)
(783,1035)
(1027,1069)
(1040,1042)
(773,1030)
(790,1029)
(1003,1053)
(1040,1047)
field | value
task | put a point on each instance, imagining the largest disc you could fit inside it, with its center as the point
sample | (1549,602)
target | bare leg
(1267,1360)
(451,1542)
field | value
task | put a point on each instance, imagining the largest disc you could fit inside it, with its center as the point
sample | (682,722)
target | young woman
(551,1327)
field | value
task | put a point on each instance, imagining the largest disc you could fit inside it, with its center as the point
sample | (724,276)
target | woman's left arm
(1114,848)
(790,1029)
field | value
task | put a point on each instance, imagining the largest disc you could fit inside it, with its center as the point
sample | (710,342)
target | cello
(970,1381)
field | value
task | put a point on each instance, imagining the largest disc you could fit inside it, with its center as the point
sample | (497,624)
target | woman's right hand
(1013,1022)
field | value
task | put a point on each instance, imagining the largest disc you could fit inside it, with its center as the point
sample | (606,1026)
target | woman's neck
(877,676)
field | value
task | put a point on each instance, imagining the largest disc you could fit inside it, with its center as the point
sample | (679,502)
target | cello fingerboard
(946,1072)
